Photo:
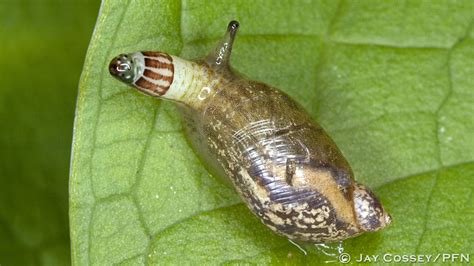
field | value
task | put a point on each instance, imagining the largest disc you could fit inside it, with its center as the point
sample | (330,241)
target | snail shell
(283,165)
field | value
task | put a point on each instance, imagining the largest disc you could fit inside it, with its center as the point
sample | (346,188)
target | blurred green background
(43,44)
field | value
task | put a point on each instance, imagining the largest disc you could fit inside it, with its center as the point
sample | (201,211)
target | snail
(284,166)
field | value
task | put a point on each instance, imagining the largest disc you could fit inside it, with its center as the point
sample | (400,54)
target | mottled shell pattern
(284,166)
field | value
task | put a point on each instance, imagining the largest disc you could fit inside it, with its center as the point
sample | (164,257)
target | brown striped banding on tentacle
(158,73)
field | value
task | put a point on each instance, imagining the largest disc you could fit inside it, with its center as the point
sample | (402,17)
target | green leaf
(390,81)
(43,44)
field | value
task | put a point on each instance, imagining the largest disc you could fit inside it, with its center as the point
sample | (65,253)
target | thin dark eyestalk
(220,57)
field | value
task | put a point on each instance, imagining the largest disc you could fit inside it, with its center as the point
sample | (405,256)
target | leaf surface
(391,82)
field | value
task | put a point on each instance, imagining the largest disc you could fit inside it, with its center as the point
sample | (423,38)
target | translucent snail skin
(284,166)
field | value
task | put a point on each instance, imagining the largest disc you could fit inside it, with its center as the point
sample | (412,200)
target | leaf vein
(94,131)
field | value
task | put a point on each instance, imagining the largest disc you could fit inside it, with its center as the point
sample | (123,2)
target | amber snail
(284,166)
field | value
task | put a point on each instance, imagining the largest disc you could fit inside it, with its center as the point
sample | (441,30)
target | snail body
(284,166)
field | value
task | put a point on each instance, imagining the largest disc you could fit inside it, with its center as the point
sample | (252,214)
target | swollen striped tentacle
(161,75)
(158,73)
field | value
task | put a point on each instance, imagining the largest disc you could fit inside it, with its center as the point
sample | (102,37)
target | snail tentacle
(220,57)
